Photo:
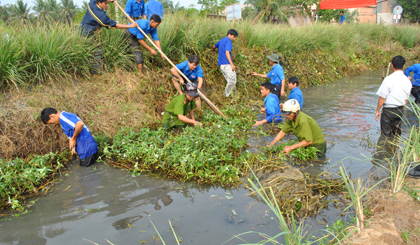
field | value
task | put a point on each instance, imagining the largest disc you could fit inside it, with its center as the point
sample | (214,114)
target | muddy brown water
(103,203)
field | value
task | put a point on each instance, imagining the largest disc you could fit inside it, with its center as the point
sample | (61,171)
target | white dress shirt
(395,89)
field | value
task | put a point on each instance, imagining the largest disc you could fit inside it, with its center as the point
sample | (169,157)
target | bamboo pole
(170,62)
(387,72)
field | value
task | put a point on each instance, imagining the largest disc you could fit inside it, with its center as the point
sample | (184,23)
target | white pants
(230,77)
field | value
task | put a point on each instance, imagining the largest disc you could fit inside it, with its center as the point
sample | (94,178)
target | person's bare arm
(77,129)
(200,82)
(282,93)
(144,44)
(158,45)
(230,61)
(381,102)
(290,148)
(175,73)
(278,137)
(260,75)
(258,123)
(132,25)
(187,120)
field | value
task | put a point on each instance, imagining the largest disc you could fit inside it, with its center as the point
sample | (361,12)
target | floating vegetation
(19,177)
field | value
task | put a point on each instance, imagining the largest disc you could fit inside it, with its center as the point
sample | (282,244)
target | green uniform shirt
(177,107)
(305,128)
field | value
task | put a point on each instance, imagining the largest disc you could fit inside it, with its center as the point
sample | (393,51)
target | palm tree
(41,10)
(4,12)
(54,8)
(68,11)
(268,9)
(20,11)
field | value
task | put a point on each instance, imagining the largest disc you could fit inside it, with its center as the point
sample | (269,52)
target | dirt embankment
(111,101)
(394,219)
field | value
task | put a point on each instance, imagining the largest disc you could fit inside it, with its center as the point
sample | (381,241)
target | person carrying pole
(304,128)
(136,38)
(176,111)
(192,71)
(81,141)
(415,81)
(135,9)
(225,60)
(94,19)
(393,96)
(276,75)
(271,108)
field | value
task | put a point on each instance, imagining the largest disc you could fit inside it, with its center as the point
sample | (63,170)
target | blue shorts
(86,147)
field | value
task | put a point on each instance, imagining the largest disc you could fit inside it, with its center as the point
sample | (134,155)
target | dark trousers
(415,91)
(277,91)
(391,119)
(135,47)
(89,160)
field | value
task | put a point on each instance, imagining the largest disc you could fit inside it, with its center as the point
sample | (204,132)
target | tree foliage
(327,15)
(411,9)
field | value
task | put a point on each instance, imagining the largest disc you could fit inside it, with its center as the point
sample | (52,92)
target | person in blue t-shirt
(136,38)
(295,92)
(80,139)
(271,102)
(135,9)
(94,19)
(225,60)
(192,71)
(415,80)
(276,75)
(153,7)
(342,18)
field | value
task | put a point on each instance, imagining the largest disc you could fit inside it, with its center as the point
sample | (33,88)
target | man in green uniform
(303,126)
(176,111)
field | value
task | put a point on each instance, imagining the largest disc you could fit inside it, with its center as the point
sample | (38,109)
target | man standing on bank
(136,38)
(225,60)
(192,71)
(276,75)
(175,115)
(96,18)
(303,126)
(153,7)
(272,108)
(135,9)
(393,96)
(415,80)
(81,141)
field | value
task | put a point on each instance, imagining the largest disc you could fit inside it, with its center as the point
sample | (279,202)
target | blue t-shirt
(342,19)
(225,44)
(415,69)
(272,108)
(86,145)
(296,94)
(192,75)
(134,8)
(153,7)
(145,26)
(95,18)
(276,74)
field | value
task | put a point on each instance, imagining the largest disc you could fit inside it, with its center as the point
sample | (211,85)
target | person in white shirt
(393,96)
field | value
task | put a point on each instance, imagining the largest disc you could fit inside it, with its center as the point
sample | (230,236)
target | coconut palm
(4,12)
(41,10)
(68,10)
(269,9)
(54,8)
(20,11)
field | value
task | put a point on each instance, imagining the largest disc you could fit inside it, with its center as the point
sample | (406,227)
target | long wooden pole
(387,72)
(170,62)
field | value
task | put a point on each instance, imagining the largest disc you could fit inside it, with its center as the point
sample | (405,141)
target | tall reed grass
(39,53)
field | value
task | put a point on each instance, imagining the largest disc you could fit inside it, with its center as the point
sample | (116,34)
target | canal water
(102,203)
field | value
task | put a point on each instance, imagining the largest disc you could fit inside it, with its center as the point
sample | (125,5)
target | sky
(185,3)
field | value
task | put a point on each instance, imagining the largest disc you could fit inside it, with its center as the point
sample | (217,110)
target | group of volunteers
(393,93)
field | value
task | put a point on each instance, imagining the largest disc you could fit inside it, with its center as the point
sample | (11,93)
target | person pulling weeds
(276,75)
(272,108)
(80,139)
(192,71)
(295,92)
(176,111)
(136,39)
(303,126)
(415,81)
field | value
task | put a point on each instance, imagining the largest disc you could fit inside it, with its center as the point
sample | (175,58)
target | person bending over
(272,108)
(80,139)
(304,128)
